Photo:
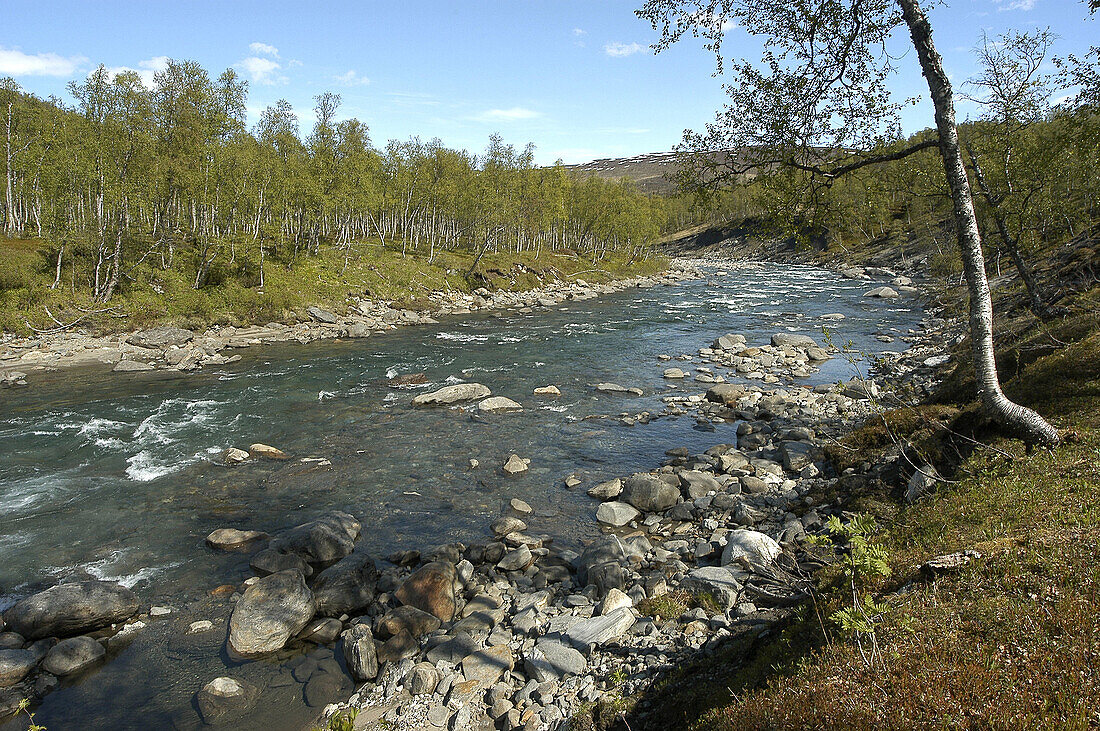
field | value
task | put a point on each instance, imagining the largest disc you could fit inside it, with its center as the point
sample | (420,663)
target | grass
(233,297)
(673,604)
(1010,641)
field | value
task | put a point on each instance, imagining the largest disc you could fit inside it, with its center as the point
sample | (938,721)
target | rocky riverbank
(177,349)
(515,632)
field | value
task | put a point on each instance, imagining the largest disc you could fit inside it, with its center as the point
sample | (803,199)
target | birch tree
(818,100)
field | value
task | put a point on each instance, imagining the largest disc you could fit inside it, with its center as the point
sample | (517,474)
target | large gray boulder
(73,655)
(71,609)
(272,610)
(550,660)
(347,586)
(697,484)
(780,340)
(726,393)
(161,337)
(321,541)
(648,493)
(453,394)
(716,581)
(607,550)
(598,631)
(15,665)
(407,619)
(616,514)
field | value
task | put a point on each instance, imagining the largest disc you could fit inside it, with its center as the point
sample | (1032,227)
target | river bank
(179,349)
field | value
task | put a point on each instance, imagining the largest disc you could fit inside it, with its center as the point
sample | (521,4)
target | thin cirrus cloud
(1024,5)
(351,78)
(14,62)
(514,114)
(619,50)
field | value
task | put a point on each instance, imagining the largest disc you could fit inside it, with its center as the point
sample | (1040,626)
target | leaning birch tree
(818,100)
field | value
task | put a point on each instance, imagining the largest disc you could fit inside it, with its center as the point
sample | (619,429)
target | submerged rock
(267,452)
(231,538)
(71,609)
(498,404)
(223,699)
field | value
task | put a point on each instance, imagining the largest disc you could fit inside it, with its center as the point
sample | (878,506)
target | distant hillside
(648,171)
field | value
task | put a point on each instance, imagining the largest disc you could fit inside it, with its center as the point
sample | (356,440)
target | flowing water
(112,475)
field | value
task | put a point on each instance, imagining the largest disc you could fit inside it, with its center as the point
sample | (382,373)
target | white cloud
(145,69)
(1024,5)
(263,49)
(14,62)
(351,78)
(262,70)
(578,36)
(507,115)
(618,50)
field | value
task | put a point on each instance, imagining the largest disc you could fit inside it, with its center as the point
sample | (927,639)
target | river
(113,475)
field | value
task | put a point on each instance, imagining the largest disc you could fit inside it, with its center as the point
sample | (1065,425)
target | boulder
(716,581)
(431,589)
(616,388)
(616,514)
(322,631)
(598,631)
(517,560)
(231,539)
(550,661)
(754,546)
(882,293)
(515,465)
(397,648)
(15,665)
(272,610)
(731,341)
(860,388)
(71,609)
(422,679)
(453,394)
(224,699)
(675,373)
(73,655)
(649,493)
(269,561)
(697,484)
(321,541)
(498,404)
(606,490)
(547,391)
(507,524)
(407,619)
(161,337)
(267,452)
(614,600)
(487,666)
(234,456)
(793,340)
(608,550)
(347,586)
(796,455)
(323,316)
(726,393)
(360,653)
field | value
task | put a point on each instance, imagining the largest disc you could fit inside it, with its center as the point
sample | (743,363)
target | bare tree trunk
(1010,243)
(1031,426)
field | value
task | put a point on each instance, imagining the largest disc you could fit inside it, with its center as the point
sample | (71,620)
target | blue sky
(575,77)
